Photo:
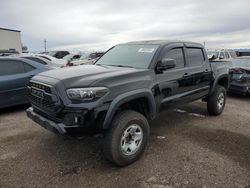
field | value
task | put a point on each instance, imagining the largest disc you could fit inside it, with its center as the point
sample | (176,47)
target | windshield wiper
(115,65)
(122,66)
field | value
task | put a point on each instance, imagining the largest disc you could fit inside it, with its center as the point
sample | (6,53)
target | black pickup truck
(128,86)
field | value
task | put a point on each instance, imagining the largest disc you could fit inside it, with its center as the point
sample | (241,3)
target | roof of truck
(166,42)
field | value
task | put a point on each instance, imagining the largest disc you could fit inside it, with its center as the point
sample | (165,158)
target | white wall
(10,40)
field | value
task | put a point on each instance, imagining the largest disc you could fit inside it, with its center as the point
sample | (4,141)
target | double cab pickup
(125,89)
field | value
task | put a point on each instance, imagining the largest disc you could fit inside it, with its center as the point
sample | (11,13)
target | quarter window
(28,67)
(195,56)
(177,55)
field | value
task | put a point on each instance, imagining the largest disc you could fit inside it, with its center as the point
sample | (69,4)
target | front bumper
(59,128)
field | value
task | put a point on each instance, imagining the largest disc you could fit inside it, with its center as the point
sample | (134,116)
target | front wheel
(216,102)
(127,138)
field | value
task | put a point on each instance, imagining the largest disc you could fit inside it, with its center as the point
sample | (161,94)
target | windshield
(129,55)
(68,57)
(52,53)
(210,54)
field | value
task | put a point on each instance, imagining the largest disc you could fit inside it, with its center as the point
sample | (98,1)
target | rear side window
(177,55)
(195,56)
(227,55)
(222,56)
(10,67)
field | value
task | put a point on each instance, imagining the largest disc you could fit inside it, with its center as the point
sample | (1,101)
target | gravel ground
(187,148)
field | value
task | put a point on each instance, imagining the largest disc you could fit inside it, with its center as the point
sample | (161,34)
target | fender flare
(126,97)
(217,80)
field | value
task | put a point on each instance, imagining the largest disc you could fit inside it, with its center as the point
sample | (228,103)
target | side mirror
(165,64)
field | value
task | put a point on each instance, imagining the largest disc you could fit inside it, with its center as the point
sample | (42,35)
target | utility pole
(45,45)
(204,44)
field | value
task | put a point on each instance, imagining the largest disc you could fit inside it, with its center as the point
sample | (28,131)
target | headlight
(88,94)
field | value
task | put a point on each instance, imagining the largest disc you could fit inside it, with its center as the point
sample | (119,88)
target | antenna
(45,45)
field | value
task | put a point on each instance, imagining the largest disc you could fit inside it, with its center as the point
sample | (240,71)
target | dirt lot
(187,148)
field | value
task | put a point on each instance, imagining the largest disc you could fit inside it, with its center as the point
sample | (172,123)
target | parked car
(41,60)
(56,61)
(72,57)
(87,59)
(128,86)
(15,74)
(58,54)
(240,77)
(223,54)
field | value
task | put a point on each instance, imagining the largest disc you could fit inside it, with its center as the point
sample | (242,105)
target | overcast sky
(97,25)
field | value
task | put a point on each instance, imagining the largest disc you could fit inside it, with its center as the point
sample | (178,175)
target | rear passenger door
(199,75)
(14,78)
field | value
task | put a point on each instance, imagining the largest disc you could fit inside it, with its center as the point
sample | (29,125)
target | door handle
(185,75)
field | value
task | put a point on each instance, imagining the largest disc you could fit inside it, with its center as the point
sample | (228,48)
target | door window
(11,67)
(195,57)
(177,55)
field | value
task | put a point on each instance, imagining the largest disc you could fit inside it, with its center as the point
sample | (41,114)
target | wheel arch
(129,98)
(222,80)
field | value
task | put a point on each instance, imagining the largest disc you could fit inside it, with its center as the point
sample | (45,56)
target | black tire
(213,106)
(112,148)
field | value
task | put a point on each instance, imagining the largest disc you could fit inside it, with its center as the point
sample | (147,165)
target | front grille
(46,101)
(40,86)
(42,103)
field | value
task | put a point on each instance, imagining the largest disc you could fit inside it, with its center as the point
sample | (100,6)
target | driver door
(173,83)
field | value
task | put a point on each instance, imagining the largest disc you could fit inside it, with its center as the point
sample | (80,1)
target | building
(10,40)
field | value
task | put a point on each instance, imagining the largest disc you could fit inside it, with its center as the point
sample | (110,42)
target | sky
(92,25)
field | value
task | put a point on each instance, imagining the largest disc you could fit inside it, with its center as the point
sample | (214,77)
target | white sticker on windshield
(146,50)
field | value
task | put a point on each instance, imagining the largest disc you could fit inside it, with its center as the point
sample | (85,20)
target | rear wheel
(127,138)
(216,102)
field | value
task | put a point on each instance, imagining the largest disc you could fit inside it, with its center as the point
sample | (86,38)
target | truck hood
(87,75)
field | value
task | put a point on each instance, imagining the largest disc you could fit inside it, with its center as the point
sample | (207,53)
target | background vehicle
(57,62)
(72,57)
(15,74)
(87,59)
(40,60)
(128,86)
(58,54)
(223,54)
(240,77)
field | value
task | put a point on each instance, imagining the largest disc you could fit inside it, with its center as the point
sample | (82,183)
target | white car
(86,59)
(40,60)
(56,61)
